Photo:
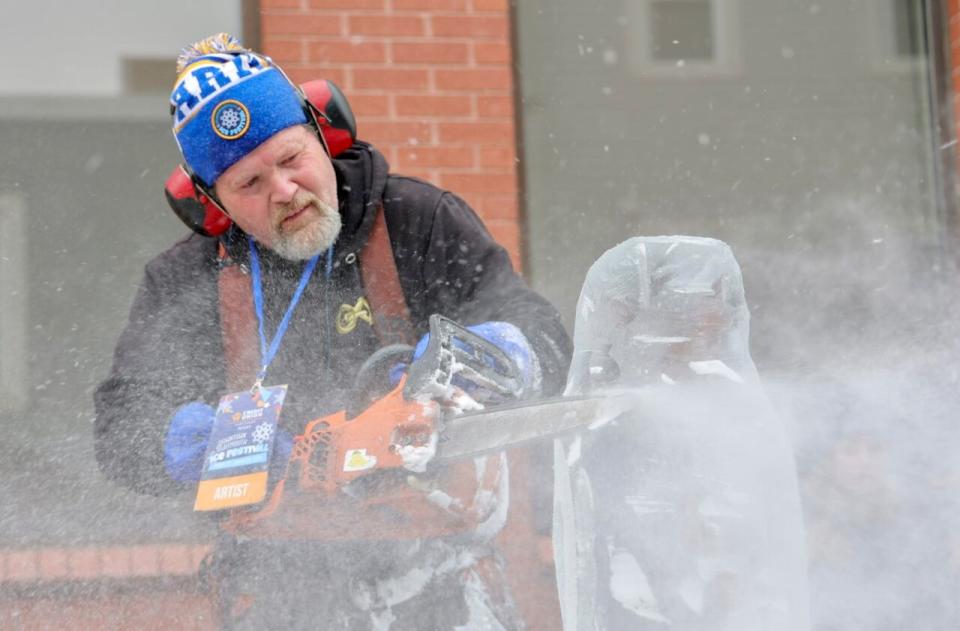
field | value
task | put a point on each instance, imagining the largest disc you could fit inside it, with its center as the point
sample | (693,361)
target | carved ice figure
(685,513)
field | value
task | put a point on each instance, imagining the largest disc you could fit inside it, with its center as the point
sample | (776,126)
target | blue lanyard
(267,354)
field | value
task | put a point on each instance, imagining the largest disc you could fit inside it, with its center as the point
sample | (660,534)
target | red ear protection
(327,110)
(331,115)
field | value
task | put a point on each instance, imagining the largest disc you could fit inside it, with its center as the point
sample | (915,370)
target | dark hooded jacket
(171,351)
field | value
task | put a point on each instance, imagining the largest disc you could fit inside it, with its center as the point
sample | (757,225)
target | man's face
(284,194)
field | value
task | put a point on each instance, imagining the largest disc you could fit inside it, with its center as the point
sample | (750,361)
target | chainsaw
(424,458)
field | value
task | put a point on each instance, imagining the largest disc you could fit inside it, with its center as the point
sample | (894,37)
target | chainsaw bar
(513,425)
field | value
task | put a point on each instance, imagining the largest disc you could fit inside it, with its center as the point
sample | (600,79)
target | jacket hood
(361,177)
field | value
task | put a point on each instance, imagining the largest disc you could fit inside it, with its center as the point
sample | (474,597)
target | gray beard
(311,240)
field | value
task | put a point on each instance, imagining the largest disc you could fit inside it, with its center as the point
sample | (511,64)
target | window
(681,38)
(895,34)
(681,31)
(907,28)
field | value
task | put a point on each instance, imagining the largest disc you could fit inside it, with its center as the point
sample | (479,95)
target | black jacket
(171,351)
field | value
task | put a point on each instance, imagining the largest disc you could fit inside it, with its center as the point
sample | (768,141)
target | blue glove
(187,438)
(282,448)
(186,441)
(504,336)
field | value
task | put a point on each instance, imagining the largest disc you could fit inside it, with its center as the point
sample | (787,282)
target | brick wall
(430,82)
(115,587)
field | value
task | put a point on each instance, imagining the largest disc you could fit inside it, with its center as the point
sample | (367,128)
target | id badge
(237,461)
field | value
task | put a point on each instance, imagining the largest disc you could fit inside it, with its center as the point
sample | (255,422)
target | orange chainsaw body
(345,480)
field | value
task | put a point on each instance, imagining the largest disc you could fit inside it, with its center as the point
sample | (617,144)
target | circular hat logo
(230,119)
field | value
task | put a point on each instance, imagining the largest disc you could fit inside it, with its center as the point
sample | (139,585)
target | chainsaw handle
(455,350)
(373,379)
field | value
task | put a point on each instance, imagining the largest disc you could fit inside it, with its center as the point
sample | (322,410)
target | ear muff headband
(328,111)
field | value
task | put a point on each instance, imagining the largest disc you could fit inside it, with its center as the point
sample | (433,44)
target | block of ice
(695,491)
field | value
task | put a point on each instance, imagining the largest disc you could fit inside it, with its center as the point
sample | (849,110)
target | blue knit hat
(225,102)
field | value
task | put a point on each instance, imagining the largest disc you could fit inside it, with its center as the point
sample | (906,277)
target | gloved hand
(186,441)
(282,448)
(187,438)
(504,336)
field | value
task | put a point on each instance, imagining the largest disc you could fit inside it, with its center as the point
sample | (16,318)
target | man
(301,221)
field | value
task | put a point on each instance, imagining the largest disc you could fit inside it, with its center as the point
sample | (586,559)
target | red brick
(433,105)
(301,74)
(369,105)
(474,79)
(284,50)
(422,157)
(84,563)
(516,257)
(480,182)
(175,560)
(347,52)
(429,5)
(367,5)
(396,133)
(473,26)
(491,52)
(485,6)
(390,78)
(430,175)
(474,200)
(386,25)
(430,53)
(115,561)
(390,153)
(281,24)
(266,5)
(501,207)
(144,560)
(480,132)
(492,105)
(22,565)
(498,156)
(160,607)
(53,563)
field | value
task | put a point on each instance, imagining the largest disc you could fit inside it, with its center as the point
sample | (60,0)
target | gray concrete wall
(82,168)
(87,197)
(809,152)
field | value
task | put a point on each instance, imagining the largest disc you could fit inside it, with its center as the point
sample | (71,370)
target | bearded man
(301,224)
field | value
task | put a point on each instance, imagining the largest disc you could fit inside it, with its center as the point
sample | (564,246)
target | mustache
(300,200)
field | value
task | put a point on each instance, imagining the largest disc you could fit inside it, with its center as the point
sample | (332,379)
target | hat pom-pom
(219,43)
